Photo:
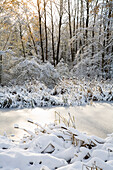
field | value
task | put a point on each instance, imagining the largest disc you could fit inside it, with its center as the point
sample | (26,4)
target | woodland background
(72,38)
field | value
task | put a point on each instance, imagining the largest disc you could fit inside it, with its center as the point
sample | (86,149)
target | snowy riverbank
(69,92)
(56,146)
(96,119)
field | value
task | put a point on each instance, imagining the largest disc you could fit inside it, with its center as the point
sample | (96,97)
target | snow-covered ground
(96,119)
(59,145)
(56,146)
(68,92)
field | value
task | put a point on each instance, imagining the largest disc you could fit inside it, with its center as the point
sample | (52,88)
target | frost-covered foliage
(26,69)
(56,146)
(17,71)
(68,92)
(91,68)
(49,75)
(63,69)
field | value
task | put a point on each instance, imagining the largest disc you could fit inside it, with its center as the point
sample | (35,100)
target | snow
(56,146)
(95,119)
(29,69)
(29,160)
(60,145)
(69,92)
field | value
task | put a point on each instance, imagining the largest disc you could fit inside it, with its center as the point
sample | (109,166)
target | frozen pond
(96,119)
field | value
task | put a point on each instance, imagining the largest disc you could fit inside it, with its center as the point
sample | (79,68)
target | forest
(75,34)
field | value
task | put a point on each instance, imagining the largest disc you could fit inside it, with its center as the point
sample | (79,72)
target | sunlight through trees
(79,32)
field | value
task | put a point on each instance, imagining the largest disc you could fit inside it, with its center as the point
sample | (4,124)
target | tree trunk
(87,19)
(74,27)
(108,25)
(103,53)
(0,69)
(81,25)
(33,41)
(93,32)
(70,30)
(40,27)
(21,38)
(74,24)
(46,30)
(53,47)
(59,35)
(76,48)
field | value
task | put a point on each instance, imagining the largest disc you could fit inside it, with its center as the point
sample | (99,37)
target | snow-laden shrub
(92,67)
(69,92)
(63,69)
(9,61)
(28,69)
(86,68)
(49,75)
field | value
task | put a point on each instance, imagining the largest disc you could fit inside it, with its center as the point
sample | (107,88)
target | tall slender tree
(70,30)
(87,17)
(93,30)
(59,34)
(45,23)
(21,38)
(40,27)
(52,32)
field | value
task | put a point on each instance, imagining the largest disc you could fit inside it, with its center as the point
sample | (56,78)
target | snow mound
(56,146)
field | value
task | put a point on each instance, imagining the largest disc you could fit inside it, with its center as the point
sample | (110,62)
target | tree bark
(74,26)
(103,53)
(93,32)
(59,35)
(21,38)
(76,48)
(53,47)
(0,69)
(70,30)
(87,19)
(46,30)
(108,25)
(81,25)
(40,27)
(33,41)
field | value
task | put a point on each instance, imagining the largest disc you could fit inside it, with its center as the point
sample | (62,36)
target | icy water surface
(96,119)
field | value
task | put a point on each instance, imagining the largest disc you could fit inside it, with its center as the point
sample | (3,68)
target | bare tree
(87,17)
(70,30)
(40,27)
(93,31)
(52,32)
(31,35)
(45,23)
(59,35)
(21,38)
